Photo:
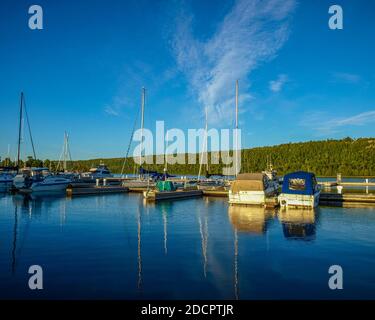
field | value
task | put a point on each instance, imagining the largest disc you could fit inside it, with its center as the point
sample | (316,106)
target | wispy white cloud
(346,77)
(111,111)
(252,32)
(323,125)
(277,85)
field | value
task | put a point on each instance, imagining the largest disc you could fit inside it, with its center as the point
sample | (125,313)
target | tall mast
(142,123)
(65,149)
(204,145)
(206,142)
(236,138)
(166,154)
(19,133)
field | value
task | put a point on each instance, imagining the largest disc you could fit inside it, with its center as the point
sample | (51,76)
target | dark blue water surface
(118,247)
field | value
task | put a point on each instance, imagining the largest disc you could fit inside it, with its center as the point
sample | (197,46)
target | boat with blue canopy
(299,189)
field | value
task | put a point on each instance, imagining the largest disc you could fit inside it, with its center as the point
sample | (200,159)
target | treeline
(326,158)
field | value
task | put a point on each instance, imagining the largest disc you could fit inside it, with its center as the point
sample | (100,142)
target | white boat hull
(45,188)
(252,197)
(299,200)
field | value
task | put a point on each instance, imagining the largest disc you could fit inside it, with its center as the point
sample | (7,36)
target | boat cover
(249,182)
(165,186)
(300,182)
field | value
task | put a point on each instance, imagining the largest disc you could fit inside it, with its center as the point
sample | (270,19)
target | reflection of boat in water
(298,223)
(249,219)
(300,189)
(252,188)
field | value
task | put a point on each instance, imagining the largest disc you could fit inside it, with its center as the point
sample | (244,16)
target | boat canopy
(249,182)
(36,169)
(155,175)
(300,182)
(165,186)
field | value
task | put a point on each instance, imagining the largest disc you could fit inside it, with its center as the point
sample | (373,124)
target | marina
(136,248)
(187,150)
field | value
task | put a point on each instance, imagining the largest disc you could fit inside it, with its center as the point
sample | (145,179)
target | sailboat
(252,188)
(143,180)
(208,183)
(34,179)
(26,176)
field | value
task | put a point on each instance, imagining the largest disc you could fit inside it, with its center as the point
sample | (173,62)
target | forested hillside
(326,158)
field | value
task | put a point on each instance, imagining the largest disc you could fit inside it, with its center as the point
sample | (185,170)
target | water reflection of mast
(14,240)
(165,222)
(203,229)
(236,289)
(139,251)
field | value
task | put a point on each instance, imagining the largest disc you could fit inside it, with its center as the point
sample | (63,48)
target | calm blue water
(116,246)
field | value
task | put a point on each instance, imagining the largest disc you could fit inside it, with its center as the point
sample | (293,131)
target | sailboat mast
(204,145)
(236,138)
(142,123)
(19,133)
(206,142)
(65,149)
(166,154)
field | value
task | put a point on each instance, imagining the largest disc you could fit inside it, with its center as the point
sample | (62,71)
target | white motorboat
(300,189)
(99,172)
(50,183)
(27,176)
(252,189)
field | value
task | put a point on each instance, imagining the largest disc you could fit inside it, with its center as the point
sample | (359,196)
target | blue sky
(84,71)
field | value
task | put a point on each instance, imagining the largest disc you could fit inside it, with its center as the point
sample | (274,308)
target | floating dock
(153,195)
(95,190)
(215,193)
(352,198)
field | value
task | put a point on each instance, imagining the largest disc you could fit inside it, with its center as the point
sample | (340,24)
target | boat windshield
(297,184)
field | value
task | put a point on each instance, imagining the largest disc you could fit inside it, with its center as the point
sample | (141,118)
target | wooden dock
(95,190)
(215,193)
(354,198)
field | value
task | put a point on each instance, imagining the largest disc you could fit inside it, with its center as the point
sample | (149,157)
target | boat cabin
(300,182)
(299,189)
(252,188)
